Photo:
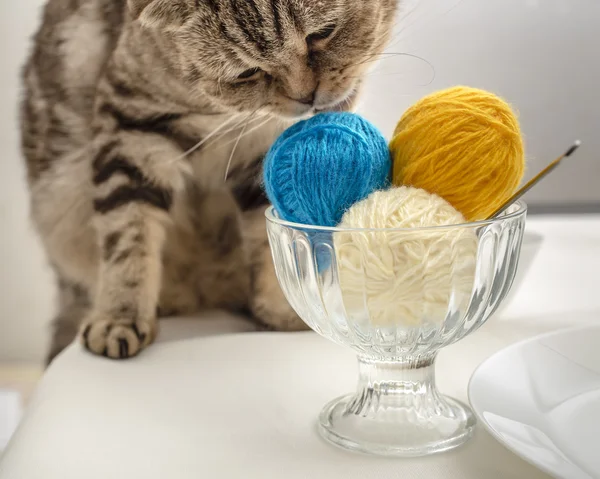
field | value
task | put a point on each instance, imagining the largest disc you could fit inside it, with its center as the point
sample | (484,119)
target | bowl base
(398,433)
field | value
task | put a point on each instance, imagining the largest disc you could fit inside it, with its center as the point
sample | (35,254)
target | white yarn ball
(405,277)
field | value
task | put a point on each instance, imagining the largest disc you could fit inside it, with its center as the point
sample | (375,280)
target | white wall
(26,298)
(542,55)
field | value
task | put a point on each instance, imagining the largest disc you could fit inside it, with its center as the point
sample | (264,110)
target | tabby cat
(144,125)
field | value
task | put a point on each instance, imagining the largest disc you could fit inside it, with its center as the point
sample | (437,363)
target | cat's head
(286,57)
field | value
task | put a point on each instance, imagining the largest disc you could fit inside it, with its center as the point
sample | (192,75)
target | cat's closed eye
(320,35)
(249,74)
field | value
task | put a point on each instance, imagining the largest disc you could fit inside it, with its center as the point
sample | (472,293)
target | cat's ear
(160,13)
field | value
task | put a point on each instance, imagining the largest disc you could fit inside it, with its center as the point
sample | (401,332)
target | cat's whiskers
(382,40)
(375,57)
(233,150)
(206,138)
(348,102)
(251,117)
(225,132)
(253,129)
(384,74)
(365,58)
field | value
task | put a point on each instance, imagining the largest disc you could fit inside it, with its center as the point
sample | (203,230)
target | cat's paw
(279,317)
(268,303)
(117,338)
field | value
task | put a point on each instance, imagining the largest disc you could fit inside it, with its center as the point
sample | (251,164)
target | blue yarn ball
(320,167)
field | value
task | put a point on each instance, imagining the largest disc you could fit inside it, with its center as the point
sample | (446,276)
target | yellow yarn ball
(464,145)
(406,277)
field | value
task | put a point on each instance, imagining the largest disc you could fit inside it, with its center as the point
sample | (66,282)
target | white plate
(541,399)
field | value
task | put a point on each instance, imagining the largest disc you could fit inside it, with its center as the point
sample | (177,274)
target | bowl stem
(397,410)
(384,385)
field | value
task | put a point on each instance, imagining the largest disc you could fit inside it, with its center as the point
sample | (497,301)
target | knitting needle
(534,181)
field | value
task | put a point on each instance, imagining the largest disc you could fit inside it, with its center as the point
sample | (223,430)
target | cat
(144,125)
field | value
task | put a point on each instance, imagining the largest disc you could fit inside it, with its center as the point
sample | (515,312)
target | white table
(207,401)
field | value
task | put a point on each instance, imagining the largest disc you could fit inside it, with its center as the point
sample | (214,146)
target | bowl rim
(519,210)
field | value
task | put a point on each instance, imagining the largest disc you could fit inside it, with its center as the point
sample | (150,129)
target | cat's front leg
(268,304)
(136,181)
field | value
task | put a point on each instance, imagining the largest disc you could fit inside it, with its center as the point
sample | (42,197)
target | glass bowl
(396,304)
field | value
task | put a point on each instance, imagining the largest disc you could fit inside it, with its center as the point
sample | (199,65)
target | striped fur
(118,93)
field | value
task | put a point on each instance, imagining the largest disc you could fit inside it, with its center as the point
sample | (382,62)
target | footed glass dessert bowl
(396,297)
